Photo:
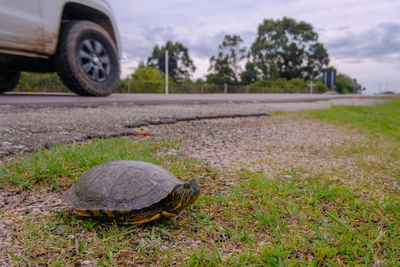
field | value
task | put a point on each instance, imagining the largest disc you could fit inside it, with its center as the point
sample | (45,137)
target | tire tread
(65,68)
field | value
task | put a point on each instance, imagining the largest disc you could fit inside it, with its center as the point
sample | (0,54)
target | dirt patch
(15,205)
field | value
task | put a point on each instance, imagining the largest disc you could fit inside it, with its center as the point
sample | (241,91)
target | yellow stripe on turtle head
(180,201)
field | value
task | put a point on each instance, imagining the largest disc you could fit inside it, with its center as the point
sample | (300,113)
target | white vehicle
(77,39)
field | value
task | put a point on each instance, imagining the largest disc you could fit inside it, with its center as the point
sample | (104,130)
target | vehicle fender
(52,11)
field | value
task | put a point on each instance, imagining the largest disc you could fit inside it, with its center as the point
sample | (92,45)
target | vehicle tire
(8,80)
(87,59)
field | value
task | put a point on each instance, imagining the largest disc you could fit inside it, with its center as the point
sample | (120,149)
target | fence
(150,87)
(34,82)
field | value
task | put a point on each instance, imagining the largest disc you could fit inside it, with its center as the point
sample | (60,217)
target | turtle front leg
(144,220)
(138,217)
(168,215)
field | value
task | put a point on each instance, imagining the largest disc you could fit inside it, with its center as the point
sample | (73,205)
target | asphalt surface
(35,100)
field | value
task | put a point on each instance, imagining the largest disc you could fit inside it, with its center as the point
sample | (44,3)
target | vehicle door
(21,25)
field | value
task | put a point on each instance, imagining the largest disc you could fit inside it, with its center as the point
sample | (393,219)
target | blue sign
(329,78)
(172,64)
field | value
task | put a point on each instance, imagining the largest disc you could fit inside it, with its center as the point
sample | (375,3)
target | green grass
(277,222)
(242,218)
(61,165)
(379,153)
(382,120)
(296,219)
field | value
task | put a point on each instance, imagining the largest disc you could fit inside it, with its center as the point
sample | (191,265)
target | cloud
(378,43)
(207,46)
(139,44)
(355,32)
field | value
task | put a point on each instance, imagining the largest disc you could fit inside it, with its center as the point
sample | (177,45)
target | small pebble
(165,237)
(222,238)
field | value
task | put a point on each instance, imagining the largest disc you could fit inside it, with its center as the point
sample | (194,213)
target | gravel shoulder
(275,145)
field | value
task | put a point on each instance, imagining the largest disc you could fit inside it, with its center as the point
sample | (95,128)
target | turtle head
(183,195)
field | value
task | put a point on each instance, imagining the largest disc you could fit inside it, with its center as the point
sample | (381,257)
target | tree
(178,52)
(141,64)
(225,67)
(250,74)
(289,49)
(317,61)
(147,80)
(347,85)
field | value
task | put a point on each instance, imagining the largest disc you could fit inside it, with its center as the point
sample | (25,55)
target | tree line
(285,54)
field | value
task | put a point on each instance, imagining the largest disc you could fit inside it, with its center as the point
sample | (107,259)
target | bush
(187,87)
(40,82)
(145,80)
(297,84)
(347,85)
(281,85)
(320,87)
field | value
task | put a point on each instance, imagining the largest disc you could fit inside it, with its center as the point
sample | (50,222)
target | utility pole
(166,72)
(311,86)
(129,84)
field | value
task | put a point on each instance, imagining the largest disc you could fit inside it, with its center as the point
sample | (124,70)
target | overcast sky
(362,36)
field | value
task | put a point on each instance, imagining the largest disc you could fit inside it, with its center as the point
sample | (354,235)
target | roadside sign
(329,78)
(172,64)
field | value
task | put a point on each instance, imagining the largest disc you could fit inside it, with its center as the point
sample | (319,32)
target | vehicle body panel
(21,25)
(31,27)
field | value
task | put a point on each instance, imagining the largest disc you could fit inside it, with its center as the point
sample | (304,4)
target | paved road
(30,100)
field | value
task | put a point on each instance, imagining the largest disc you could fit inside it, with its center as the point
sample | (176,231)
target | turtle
(130,192)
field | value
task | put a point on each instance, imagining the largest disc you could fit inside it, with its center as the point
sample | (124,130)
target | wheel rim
(94,60)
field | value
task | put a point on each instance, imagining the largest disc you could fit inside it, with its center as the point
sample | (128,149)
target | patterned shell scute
(121,185)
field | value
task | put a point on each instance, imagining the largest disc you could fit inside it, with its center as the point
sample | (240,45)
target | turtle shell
(121,186)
